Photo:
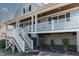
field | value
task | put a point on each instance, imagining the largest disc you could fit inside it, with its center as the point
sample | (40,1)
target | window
(49,19)
(33,17)
(74,33)
(54,18)
(68,20)
(33,22)
(29,7)
(21,25)
(26,23)
(30,23)
(67,15)
(61,16)
(23,10)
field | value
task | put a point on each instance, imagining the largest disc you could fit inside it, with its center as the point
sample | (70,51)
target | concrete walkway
(2,54)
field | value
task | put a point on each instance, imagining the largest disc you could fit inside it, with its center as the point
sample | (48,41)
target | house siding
(59,37)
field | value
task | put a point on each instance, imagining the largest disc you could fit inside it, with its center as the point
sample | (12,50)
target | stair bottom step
(33,52)
(26,46)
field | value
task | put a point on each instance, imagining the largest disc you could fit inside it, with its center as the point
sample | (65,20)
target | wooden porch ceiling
(25,19)
(12,23)
(73,5)
(20,21)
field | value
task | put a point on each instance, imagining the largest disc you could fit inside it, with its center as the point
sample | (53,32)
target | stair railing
(27,39)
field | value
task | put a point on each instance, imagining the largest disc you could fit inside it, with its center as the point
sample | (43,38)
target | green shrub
(2,43)
(66,42)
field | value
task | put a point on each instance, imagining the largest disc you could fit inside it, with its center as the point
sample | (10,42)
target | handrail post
(23,46)
(32,44)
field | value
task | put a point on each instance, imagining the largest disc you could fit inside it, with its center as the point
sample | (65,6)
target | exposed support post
(37,39)
(6,36)
(6,44)
(13,47)
(35,23)
(77,41)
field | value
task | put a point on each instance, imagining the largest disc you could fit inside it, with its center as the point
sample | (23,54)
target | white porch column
(32,19)
(16,25)
(52,24)
(35,23)
(77,41)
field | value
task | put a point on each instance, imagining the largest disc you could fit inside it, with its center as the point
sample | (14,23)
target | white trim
(41,10)
(55,31)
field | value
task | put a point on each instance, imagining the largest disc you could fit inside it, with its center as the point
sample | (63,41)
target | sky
(7,10)
(10,6)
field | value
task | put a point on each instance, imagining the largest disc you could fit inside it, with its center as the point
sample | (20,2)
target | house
(2,32)
(44,24)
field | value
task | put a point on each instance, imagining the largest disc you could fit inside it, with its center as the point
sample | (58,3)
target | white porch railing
(27,28)
(46,26)
(72,22)
(60,24)
(67,23)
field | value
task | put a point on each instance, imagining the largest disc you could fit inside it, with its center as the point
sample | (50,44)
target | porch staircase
(11,41)
(20,39)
